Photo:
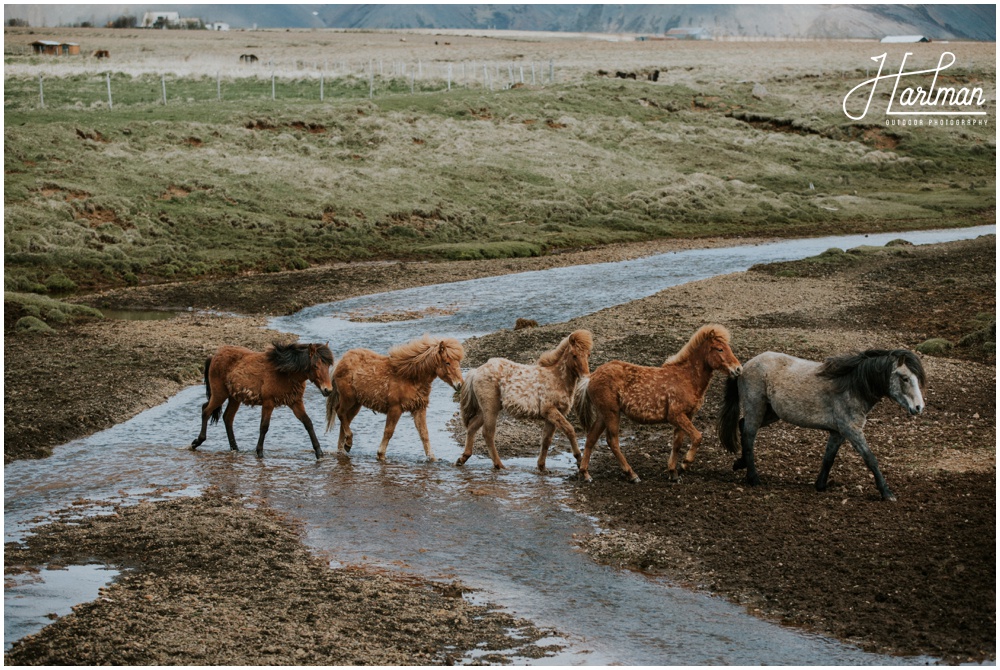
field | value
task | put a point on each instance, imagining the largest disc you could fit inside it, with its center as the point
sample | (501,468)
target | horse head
(580,344)
(906,380)
(718,354)
(320,364)
(449,358)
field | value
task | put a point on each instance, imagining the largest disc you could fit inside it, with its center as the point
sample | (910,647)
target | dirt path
(914,577)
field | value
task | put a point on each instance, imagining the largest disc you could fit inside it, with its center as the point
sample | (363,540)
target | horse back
(251,379)
(792,388)
(368,378)
(644,394)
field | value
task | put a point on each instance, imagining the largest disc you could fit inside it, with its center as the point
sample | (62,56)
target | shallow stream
(508,534)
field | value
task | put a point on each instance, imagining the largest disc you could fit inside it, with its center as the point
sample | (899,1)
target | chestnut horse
(540,391)
(671,393)
(270,379)
(391,385)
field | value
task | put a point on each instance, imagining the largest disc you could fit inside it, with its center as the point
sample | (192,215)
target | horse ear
(442,348)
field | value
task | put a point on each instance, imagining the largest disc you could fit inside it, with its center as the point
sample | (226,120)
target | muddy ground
(913,577)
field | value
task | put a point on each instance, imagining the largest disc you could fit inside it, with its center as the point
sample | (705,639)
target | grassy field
(150,192)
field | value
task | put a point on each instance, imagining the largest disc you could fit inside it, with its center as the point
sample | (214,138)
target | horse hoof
(460,462)
(753,481)
(319,455)
(499,466)
(586,478)
(739,464)
(889,496)
(635,479)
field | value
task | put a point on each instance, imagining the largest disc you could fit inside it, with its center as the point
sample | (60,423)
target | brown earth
(913,577)
(917,576)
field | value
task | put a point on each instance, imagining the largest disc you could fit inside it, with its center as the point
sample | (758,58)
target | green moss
(30,324)
(936,346)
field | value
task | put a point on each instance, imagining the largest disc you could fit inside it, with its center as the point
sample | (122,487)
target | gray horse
(835,395)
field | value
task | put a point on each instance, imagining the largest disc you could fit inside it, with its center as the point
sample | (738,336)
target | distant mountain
(973,22)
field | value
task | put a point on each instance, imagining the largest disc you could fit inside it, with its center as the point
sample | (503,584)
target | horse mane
(704,333)
(419,358)
(580,340)
(866,373)
(293,359)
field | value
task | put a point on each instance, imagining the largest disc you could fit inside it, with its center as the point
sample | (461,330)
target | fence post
(163,85)
(510,73)
(321,76)
(522,74)
(411,83)
(532,73)
(449,76)
(41,92)
(272,85)
(552,71)
(110,103)
(218,85)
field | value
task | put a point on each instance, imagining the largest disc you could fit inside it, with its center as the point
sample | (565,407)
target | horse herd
(834,395)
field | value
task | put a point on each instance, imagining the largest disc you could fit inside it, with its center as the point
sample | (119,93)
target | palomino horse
(540,391)
(670,393)
(835,395)
(391,385)
(270,379)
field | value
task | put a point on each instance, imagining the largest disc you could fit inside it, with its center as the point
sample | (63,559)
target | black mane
(866,374)
(293,359)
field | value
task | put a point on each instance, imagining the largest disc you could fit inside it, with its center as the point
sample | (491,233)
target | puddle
(34,600)
(507,534)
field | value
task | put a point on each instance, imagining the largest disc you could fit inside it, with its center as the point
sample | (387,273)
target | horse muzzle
(326,392)
(736,372)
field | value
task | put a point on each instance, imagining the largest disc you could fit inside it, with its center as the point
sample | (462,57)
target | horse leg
(757,412)
(227,419)
(857,440)
(212,404)
(391,417)
(695,436)
(420,421)
(489,433)
(548,430)
(832,447)
(593,435)
(346,415)
(566,428)
(675,451)
(299,410)
(613,424)
(470,438)
(265,423)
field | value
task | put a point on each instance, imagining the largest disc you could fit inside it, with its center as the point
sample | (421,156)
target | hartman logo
(911,104)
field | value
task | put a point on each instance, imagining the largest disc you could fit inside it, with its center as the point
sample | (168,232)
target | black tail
(217,414)
(729,417)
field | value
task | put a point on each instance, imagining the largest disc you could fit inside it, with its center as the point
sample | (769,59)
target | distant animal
(835,395)
(523,323)
(540,391)
(654,75)
(248,59)
(672,393)
(270,379)
(393,384)
(101,53)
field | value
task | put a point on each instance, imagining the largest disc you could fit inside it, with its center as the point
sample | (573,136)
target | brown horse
(540,391)
(270,379)
(671,393)
(391,385)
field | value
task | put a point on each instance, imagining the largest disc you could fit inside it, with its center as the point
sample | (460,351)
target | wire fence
(339,80)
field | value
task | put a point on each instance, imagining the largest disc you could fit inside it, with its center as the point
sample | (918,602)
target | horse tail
(729,417)
(468,402)
(217,414)
(582,404)
(332,401)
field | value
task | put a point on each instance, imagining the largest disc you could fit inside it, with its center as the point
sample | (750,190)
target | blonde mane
(419,358)
(581,340)
(707,332)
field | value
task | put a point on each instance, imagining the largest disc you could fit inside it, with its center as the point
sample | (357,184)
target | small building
(904,39)
(688,34)
(50,48)
(218,25)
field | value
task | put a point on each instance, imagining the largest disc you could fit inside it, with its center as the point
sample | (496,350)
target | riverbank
(912,577)
(803,308)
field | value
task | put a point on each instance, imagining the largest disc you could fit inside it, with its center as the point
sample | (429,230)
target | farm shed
(688,34)
(51,48)
(904,39)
